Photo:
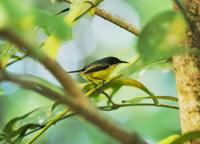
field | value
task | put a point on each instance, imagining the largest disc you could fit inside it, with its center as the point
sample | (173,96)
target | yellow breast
(99,75)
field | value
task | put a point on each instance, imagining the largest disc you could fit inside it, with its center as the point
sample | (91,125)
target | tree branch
(74,98)
(45,91)
(117,20)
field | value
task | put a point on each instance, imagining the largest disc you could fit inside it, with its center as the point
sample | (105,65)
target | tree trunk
(187,68)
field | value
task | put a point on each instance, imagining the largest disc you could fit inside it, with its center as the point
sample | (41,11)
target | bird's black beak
(123,61)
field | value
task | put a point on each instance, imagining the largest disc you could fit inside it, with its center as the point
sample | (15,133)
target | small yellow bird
(99,70)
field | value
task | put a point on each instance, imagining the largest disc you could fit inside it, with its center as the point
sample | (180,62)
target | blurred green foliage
(26,17)
(161,37)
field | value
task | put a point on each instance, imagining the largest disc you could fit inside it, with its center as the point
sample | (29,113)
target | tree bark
(187,69)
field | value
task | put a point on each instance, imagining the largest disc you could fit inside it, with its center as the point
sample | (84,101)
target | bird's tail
(76,71)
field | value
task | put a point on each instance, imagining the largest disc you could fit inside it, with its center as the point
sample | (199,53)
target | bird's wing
(96,67)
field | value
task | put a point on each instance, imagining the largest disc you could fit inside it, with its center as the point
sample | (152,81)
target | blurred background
(94,38)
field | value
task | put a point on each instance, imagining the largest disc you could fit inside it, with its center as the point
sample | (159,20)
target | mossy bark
(187,69)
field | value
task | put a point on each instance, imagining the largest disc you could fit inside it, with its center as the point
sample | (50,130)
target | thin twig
(16,60)
(149,104)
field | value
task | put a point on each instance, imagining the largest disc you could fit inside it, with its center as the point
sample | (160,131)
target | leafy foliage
(161,37)
(7,51)
(27,17)
(16,129)
(11,130)
(158,40)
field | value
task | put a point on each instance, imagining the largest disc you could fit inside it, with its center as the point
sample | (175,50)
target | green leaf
(169,139)
(133,83)
(17,127)
(3,17)
(10,125)
(135,100)
(139,99)
(186,137)
(7,50)
(11,130)
(2,136)
(117,82)
(51,46)
(170,98)
(19,14)
(28,16)
(161,37)
(53,24)
(1,91)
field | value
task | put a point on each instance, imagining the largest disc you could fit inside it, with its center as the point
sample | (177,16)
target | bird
(100,69)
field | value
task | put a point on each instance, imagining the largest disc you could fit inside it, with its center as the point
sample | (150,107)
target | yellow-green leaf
(169,139)
(79,8)
(141,98)
(3,17)
(186,137)
(7,50)
(51,46)
(137,84)
(27,22)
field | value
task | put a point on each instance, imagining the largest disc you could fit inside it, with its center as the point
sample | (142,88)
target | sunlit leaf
(186,137)
(167,98)
(169,139)
(19,13)
(161,37)
(79,8)
(3,17)
(133,83)
(51,46)
(7,50)
(27,22)
(137,84)
(24,16)
(117,82)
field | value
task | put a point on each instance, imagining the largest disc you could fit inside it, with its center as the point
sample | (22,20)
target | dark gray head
(111,60)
